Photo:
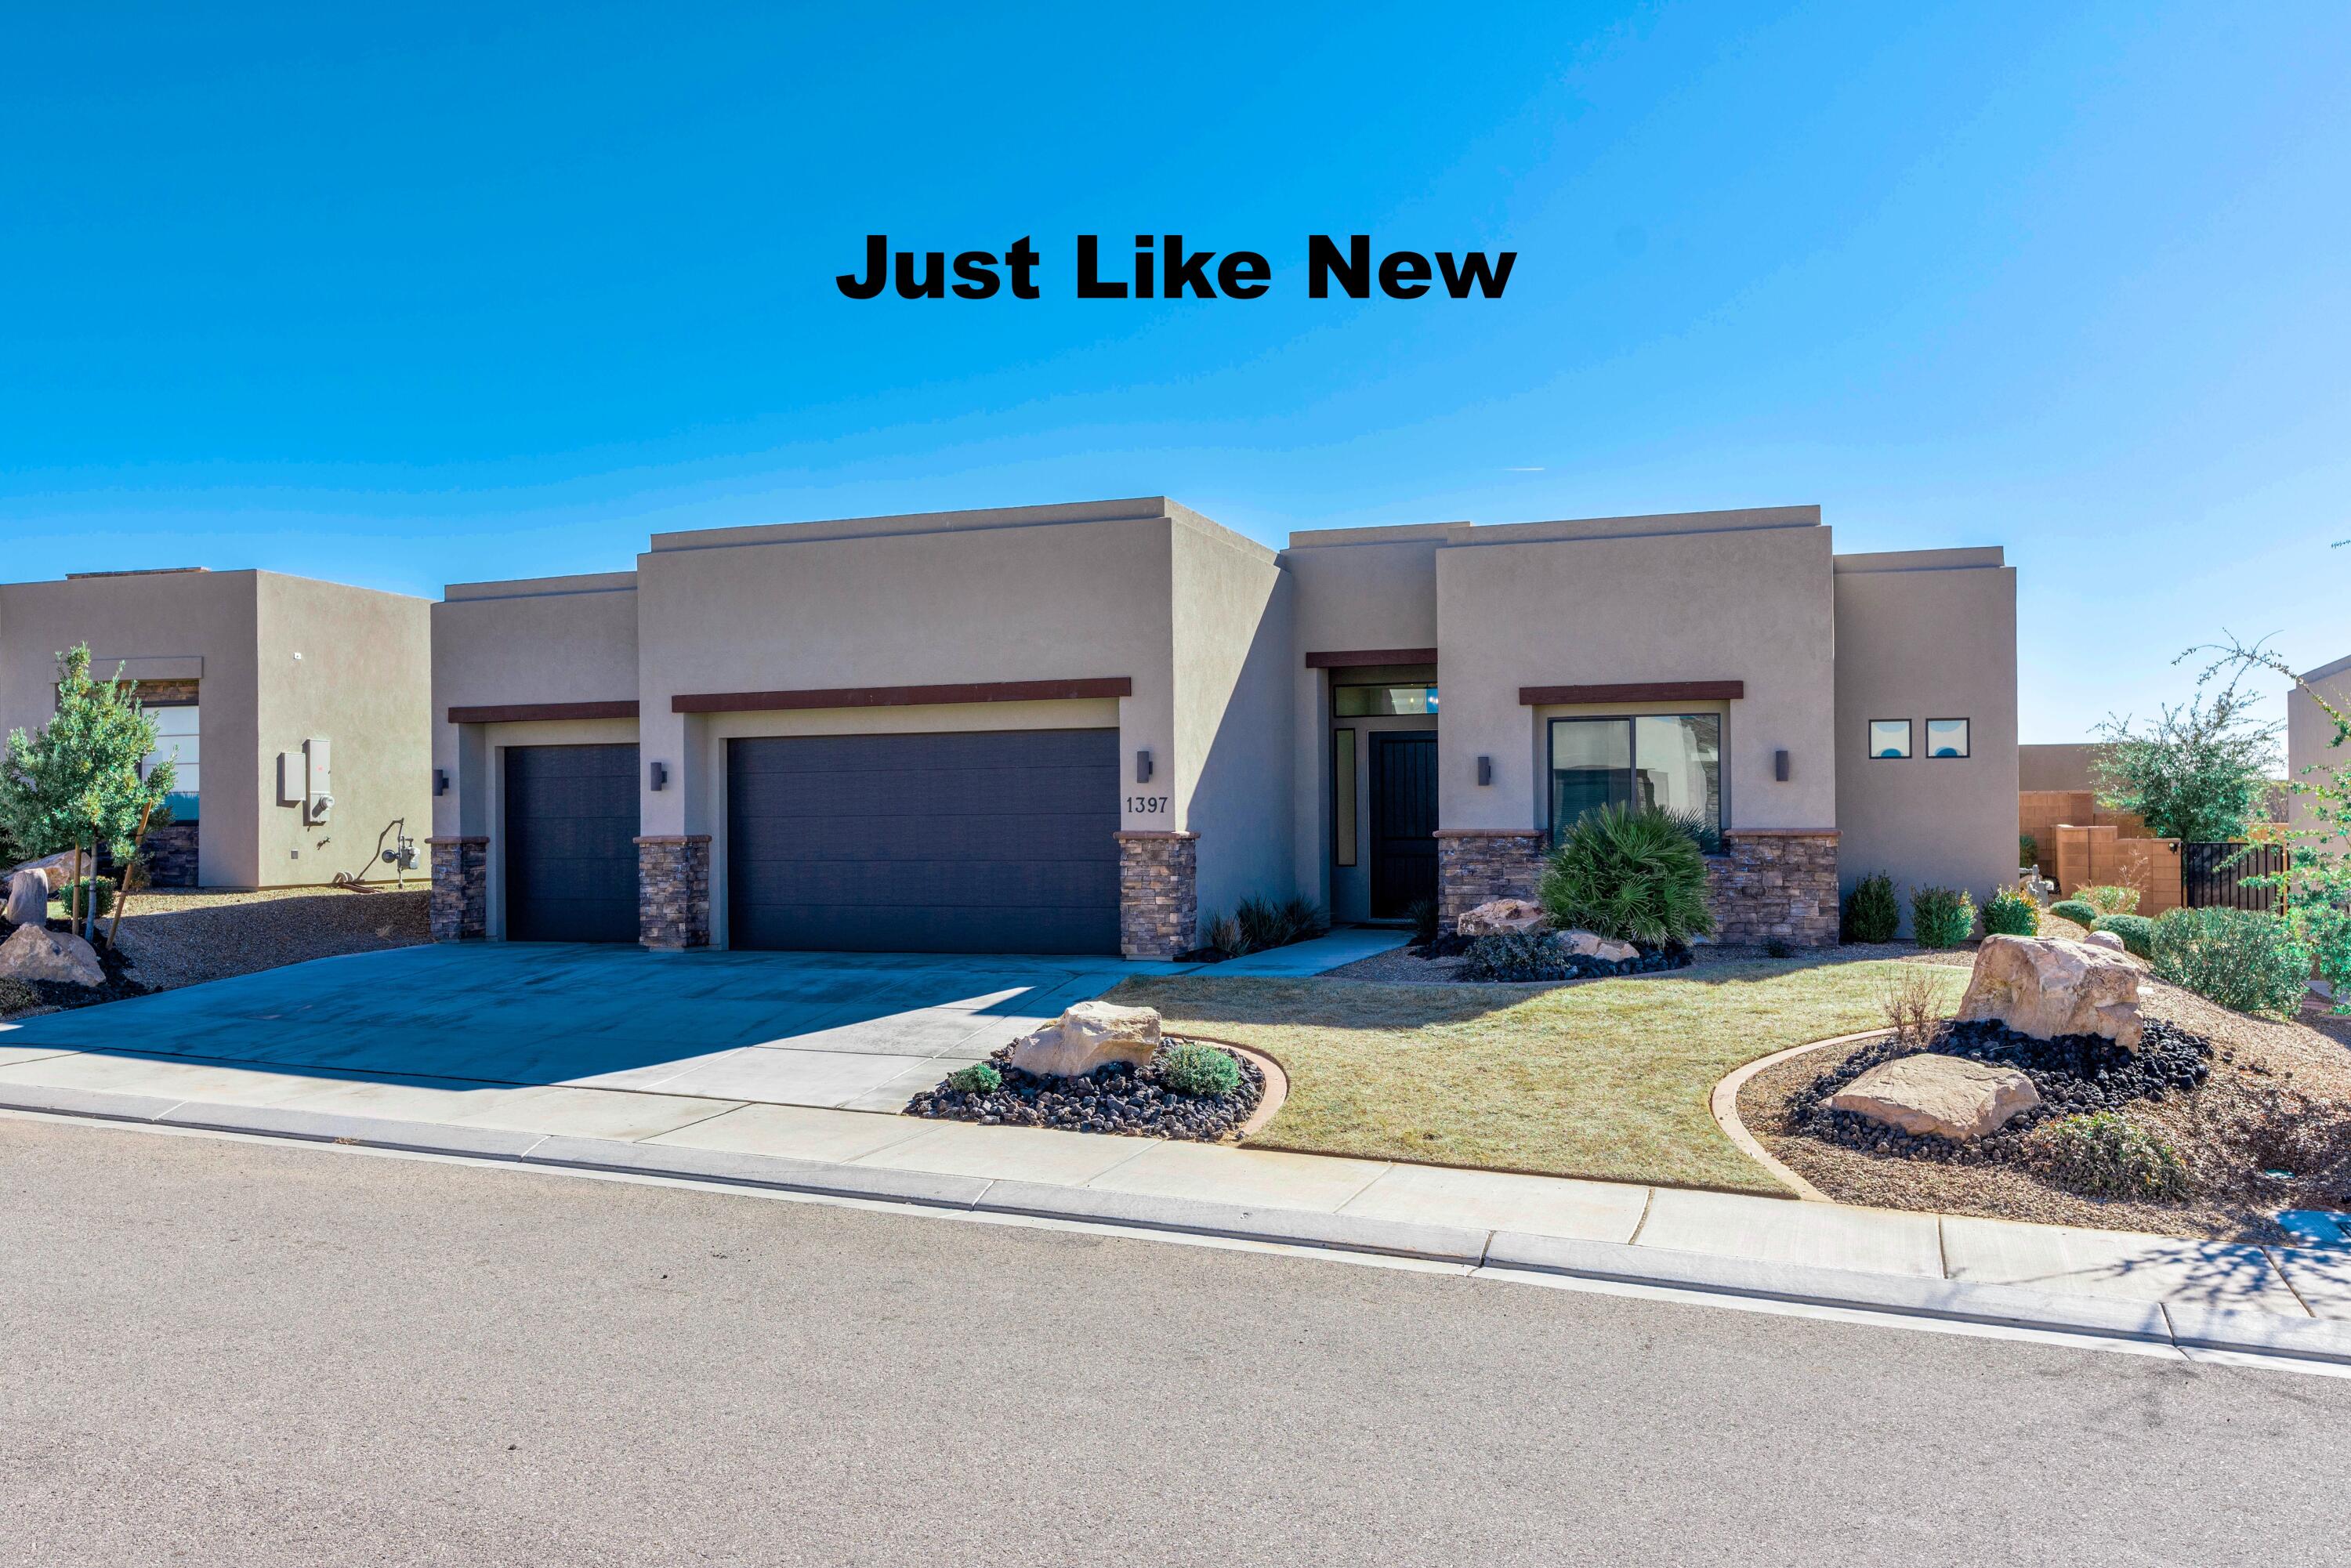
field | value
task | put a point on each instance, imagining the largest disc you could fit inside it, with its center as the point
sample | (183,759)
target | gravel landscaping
(1113,1098)
(2271,1100)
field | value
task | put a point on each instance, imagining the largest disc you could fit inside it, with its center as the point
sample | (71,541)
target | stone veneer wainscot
(1478,865)
(1158,894)
(1775,881)
(673,891)
(460,905)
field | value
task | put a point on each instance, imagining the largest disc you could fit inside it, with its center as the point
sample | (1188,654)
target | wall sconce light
(659,775)
(1485,771)
(1143,767)
(1780,765)
(440,781)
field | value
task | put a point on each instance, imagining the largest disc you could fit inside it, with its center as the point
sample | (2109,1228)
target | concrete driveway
(860,1031)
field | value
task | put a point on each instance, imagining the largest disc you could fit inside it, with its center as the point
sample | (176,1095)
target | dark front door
(572,853)
(1001,842)
(1403,822)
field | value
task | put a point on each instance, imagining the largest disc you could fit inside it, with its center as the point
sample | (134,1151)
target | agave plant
(1632,873)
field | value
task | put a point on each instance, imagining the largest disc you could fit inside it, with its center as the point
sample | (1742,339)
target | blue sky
(439,294)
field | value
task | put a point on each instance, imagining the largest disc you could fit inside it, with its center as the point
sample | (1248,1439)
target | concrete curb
(2179,1325)
(1723,1101)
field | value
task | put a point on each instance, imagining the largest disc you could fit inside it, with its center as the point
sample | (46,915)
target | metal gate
(2215,876)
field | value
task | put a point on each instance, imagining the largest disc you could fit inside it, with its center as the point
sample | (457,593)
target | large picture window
(1673,760)
(176,740)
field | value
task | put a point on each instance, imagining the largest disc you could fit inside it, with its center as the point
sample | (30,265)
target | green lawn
(1608,1079)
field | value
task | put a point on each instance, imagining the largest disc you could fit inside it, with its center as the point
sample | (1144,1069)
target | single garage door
(572,854)
(995,843)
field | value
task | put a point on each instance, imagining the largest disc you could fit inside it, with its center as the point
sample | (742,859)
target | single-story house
(1087,727)
(296,712)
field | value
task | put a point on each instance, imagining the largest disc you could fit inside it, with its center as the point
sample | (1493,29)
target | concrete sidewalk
(2114,1284)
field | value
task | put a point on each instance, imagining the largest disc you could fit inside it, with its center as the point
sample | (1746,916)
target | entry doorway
(1402,821)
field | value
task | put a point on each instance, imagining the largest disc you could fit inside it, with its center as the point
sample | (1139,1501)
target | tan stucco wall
(161,622)
(540,639)
(363,684)
(1930,635)
(1639,599)
(1232,637)
(2065,766)
(2310,736)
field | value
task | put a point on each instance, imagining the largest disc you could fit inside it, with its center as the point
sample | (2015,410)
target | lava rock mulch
(1554,964)
(2075,1074)
(17,995)
(1115,1098)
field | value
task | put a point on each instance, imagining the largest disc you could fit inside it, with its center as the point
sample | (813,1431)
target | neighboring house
(296,711)
(2070,765)
(2310,735)
(1082,729)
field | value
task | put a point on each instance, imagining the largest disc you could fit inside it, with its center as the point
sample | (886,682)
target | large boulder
(1086,1037)
(2045,987)
(38,953)
(1593,945)
(1948,1096)
(1502,917)
(28,899)
(57,870)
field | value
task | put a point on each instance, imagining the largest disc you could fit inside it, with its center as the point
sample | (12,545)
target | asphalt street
(227,1351)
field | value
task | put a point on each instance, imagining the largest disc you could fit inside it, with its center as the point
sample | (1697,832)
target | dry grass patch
(1606,1079)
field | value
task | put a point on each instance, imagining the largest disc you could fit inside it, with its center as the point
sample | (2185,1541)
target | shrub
(1223,933)
(1190,1067)
(1630,872)
(64,897)
(2074,909)
(2027,851)
(2109,900)
(1265,923)
(2106,1156)
(2010,912)
(1517,958)
(1941,916)
(979,1078)
(1704,831)
(1423,920)
(1777,947)
(1911,997)
(2241,958)
(2138,932)
(1871,913)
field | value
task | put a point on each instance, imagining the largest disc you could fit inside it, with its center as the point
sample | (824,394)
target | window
(1673,760)
(1946,737)
(176,738)
(1383,702)
(1342,797)
(1890,738)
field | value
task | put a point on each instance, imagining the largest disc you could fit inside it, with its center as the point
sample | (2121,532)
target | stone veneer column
(1158,894)
(460,901)
(1478,865)
(673,891)
(1776,882)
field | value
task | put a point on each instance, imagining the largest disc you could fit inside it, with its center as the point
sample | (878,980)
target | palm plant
(1632,873)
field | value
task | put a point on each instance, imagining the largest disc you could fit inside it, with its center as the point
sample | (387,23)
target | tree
(2200,773)
(2317,880)
(75,784)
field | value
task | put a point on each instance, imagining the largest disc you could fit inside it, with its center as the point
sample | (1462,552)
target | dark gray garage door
(925,843)
(572,854)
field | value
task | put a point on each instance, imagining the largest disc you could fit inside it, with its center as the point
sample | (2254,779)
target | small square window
(1890,738)
(1946,737)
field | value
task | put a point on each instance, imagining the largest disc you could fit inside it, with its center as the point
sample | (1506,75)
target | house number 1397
(1147,803)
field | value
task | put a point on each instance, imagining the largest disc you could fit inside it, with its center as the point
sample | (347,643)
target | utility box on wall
(318,781)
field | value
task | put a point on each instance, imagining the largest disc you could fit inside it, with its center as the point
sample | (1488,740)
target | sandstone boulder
(1500,917)
(28,898)
(57,870)
(1948,1096)
(1604,948)
(38,953)
(1086,1037)
(2045,987)
(2106,939)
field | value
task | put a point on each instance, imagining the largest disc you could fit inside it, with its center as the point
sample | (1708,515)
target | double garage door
(983,842)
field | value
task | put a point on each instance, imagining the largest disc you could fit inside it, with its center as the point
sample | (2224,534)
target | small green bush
(1871,913)
(2138,932)
(979,1078)
(2241,958)
(1188,1067)
(1424,919)
(1223,933)
(1265,923)
(2108,899)
(1941,916)
(1630,872)
(1777,947)
(2074,909)
(62,899)
(2027,851)
(2106,1156)
(2010,912)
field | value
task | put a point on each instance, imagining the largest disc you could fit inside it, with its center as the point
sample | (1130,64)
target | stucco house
(296,711)
(2310,735)
(1083,727)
